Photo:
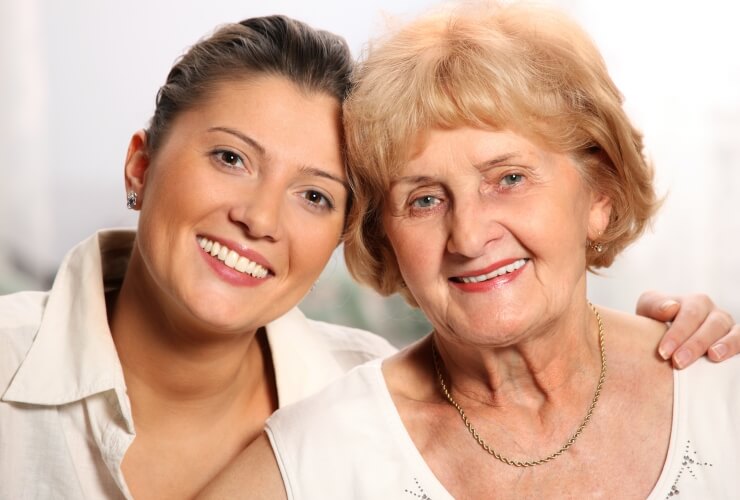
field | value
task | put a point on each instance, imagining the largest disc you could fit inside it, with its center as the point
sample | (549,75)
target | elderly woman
(494,166)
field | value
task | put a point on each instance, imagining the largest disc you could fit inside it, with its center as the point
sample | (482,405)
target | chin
(494,330)
(219,315)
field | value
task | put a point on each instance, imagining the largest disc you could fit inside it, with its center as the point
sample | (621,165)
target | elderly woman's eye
(511,179)
(228,158)
(426,201)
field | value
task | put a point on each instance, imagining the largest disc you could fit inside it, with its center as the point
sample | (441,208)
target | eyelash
(415,209)
(218,155)
(516,179)
(323,204)
(509,176)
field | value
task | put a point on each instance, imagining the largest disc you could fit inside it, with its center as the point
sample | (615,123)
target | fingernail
(681,358)
(668,304)
(666,349)
(719,350)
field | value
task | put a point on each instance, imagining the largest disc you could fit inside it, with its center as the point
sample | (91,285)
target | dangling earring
(131,199)
(313,287)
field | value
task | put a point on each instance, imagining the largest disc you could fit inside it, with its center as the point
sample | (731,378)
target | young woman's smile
(244,202)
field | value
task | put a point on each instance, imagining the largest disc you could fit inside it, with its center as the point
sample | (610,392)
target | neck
(174,368)
(553,363)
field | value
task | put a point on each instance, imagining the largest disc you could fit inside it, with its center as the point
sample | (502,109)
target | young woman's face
(242,205)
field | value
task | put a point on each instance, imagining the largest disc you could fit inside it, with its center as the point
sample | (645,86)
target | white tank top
(348,441)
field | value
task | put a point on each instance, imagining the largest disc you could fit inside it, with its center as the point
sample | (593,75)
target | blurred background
(79,77)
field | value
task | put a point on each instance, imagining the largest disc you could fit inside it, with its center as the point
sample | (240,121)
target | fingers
(658,306)
(693,333)
(727,346)
(698,327)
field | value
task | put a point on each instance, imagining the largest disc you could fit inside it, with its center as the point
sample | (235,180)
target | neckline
(428,481)
(662,485)
(401,436)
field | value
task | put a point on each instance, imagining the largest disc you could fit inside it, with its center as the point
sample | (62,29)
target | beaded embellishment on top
(690,463)
(419,493)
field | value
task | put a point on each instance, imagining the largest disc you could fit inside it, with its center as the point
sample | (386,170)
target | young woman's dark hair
(315,60)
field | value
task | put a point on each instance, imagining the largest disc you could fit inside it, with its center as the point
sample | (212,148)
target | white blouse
(65,418)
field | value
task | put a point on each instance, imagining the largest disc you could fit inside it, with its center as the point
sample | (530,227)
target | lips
(499,269)
(233,259)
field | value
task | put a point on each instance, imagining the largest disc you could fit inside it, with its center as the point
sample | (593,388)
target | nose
(259,213)
(472,227)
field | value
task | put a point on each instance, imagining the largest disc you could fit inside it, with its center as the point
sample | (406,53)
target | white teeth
(241,264)
(510,268)
(232,259)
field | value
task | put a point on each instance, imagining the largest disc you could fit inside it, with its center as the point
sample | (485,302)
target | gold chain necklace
(568,443)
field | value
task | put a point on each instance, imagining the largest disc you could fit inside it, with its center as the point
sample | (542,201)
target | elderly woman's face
(490,230)
(256,169)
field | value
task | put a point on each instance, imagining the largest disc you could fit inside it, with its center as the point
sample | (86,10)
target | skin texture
(258,165)
(478,199)
(526,373)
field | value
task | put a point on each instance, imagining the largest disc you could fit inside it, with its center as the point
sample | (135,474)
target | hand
(697,327)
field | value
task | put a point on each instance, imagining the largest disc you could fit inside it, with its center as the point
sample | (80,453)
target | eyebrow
(411,179)
(306,169)
(317,172)
(497,160)
(241,136)
(423,179)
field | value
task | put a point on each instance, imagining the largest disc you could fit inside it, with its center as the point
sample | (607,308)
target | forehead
(271,99)
(287,121)
(470,146)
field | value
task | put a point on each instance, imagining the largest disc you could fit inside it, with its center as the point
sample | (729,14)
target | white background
(80,76)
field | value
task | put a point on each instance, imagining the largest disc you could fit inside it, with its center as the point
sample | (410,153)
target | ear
(137,166)
(599,214)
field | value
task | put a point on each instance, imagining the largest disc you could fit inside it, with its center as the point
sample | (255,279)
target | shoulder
(307,437)
(706,441)
(20,317)
(722,378)
(707,407)
(332,415)
(352,343)
(632,334)
(351,392)
(19,310)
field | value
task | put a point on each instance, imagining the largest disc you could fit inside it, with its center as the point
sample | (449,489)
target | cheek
(313,244)
(416,250)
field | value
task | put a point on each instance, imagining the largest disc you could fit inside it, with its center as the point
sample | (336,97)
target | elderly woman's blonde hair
(493,66)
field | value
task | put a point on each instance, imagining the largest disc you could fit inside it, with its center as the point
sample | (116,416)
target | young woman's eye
(317,199)
(510,180)
(426,201)
(228,158)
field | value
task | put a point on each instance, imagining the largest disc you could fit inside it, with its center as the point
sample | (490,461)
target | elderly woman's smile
(504,270)
(483,221)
